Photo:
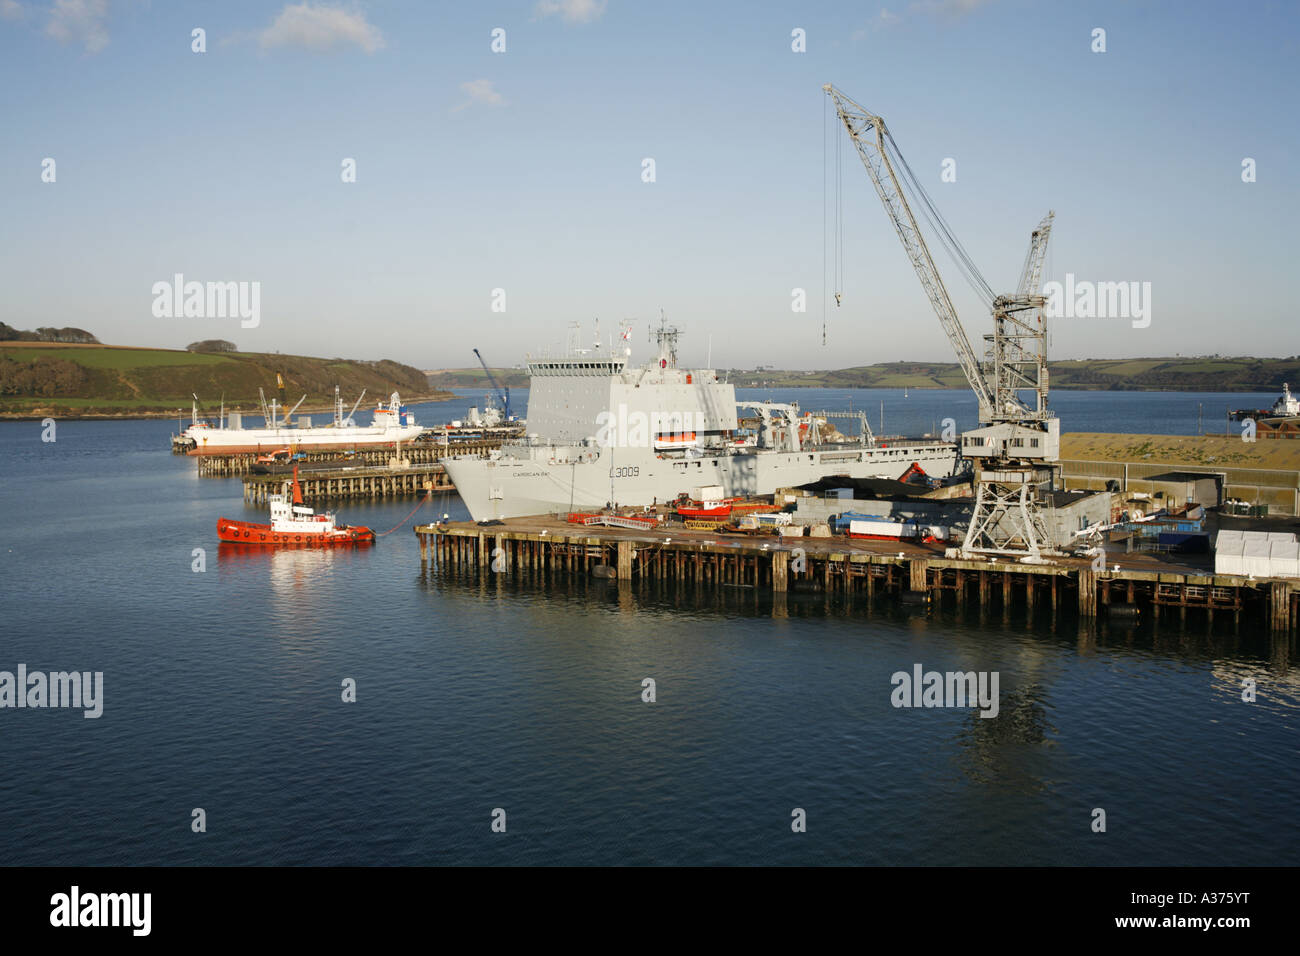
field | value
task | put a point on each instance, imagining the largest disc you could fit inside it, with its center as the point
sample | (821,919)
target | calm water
(222,691)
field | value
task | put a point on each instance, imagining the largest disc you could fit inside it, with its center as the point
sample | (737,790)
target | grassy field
(114,358)
(476,378)
(39,379)
(1212,450)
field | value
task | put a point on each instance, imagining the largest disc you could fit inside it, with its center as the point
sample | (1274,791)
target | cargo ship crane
(869,136)
(1016,448)
(503,393)
(1016,352)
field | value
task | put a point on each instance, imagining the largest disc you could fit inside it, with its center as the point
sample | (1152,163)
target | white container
(1228,556)
(881,529)
(1227,537)
(1284,559)
(707,493)
(1255,559)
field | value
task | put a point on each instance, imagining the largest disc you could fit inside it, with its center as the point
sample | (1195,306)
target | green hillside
(39,378)
(1217,374)
(476,378)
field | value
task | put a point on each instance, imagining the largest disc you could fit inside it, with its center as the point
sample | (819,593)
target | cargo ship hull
(601,432)
(249,445)
(515,487)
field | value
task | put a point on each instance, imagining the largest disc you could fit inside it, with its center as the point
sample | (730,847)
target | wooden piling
(844,569)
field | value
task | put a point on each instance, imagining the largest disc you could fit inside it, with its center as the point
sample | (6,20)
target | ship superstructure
(602,431)
(1288,406)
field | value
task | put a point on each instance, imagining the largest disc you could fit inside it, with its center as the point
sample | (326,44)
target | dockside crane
(502,392)
(1017,446)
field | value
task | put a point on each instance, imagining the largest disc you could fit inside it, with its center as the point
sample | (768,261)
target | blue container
(1185,543)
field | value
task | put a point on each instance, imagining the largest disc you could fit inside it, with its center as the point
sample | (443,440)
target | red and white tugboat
(293,525)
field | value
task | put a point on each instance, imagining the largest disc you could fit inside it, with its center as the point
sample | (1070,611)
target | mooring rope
(427,496)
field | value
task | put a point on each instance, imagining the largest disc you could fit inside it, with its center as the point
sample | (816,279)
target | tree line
(47,334)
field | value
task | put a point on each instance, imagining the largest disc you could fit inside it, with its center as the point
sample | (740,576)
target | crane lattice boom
(503,393)
(1032,272)
(868,133)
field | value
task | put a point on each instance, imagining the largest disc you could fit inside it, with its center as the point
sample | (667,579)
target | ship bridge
(591,396)
(579,366)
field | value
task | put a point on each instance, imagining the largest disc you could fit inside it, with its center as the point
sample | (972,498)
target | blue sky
(522,170)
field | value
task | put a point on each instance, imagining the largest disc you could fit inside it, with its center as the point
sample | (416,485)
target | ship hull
(293,443)
(264,535)
(513,487)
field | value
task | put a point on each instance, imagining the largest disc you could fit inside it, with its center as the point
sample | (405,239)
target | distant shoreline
(67,414)
(93,382)
(1177,374)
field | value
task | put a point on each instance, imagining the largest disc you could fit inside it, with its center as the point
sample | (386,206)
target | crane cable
(839,219)
(939,225)
(825,113)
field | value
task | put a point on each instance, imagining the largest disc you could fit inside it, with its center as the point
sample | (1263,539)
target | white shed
(1284,556)
(1256,558)
(1228,555)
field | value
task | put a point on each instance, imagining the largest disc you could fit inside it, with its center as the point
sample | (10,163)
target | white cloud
(939,9)
(573,11)
(949,9)
(321,28)
(879,22)
(79,21)
(479,91)
(11,10)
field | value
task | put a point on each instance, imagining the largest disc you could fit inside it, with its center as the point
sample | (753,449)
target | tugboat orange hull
(247,532)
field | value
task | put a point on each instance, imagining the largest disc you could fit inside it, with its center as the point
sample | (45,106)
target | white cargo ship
(601,432)
(392,423)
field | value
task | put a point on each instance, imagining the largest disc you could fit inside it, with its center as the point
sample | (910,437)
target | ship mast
(666,338)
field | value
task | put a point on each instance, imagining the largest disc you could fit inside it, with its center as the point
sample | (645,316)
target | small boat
(293,525)
(694,509)
(703,503)
(665,440)
(704,509)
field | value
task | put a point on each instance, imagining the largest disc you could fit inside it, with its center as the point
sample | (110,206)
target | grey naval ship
(601,432)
